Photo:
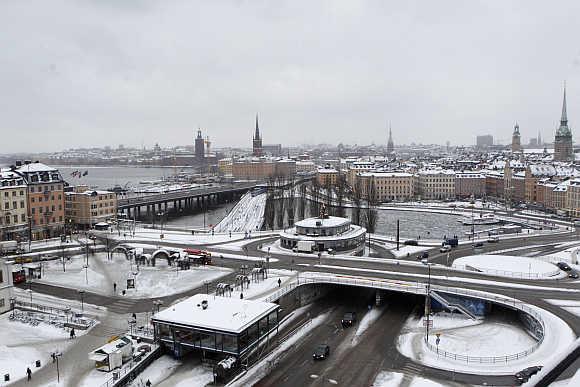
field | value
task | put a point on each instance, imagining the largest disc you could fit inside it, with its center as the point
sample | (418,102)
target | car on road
(477,244)
(573,274)
(525,374)
(411,242)
(493,239)
(423,255)
(321,352)
(563,266)
(348,319)
(445,248)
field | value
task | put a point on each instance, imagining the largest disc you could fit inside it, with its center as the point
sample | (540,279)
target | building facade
(469,184)
(84,208)
(13,206)
(5,286)
(45,199)
(386,186)
(199,146)
(437,184)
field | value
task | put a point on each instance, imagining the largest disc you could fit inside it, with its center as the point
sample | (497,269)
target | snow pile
(508,266)
(369,318)
(247,215)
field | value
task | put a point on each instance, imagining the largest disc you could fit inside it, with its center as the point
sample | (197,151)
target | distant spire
(257,134)
(564,119)
(516,128)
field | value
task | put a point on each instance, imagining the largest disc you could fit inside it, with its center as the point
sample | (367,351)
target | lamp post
(86,267)
(427,298)
(82,294)
(29,290)
(55,356)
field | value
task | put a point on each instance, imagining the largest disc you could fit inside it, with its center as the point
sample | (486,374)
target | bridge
(182,199)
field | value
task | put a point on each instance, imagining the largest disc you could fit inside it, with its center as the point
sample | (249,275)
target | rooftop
(331,221)
(222,313)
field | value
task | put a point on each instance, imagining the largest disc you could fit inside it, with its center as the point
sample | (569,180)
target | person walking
(72,333)
(28,373)
(279,282)
(115,287)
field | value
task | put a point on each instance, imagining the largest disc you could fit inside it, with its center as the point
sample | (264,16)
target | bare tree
(302,201)
(356,202)
(315,197)
(290,201)
(371,202)
(340,192)
(270,207)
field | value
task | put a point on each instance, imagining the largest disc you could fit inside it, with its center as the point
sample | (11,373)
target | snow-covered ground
(397,379)
(263,288)
(21,344)
(483,340)
(101,274)
(508,266)
(247,215)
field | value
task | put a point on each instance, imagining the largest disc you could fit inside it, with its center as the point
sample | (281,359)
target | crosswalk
(413,369)
(122,306)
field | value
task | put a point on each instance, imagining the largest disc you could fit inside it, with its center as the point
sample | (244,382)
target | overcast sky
(82,73)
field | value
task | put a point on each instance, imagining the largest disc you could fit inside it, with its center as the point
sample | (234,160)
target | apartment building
(84,208)
(356,167)
(13,206)
(469,184)
(573,203)
(260,168)
(327,176)
(386,186)
(45,192)
(435,184)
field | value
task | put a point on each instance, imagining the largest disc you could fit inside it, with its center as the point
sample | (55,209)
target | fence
(507,273)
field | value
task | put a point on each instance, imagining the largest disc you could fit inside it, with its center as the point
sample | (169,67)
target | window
(1,279)
(32,210)
(23,218)
(22,204)
(15,218)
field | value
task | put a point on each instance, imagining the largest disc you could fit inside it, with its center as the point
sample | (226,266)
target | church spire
(257,134)
(564,119)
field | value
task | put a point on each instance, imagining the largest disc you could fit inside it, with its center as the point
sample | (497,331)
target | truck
(304,246)
(453,242)
(8,247)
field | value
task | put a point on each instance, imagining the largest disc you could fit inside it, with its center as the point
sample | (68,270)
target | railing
(421,288)
(507,273)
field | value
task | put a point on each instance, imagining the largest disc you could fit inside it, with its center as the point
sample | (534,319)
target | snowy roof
(327,170)
(386,174)
(35,167)
(331,221)
(222,313)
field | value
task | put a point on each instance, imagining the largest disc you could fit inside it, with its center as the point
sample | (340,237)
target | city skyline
(315,74)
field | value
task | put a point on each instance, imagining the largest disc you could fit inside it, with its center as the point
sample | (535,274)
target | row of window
(45,188)
(33,199)
(48,221)
(11,183)
(46,209)
(7,194)
(14,205)
(13,219)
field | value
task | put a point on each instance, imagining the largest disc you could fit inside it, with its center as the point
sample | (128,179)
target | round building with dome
(324,233)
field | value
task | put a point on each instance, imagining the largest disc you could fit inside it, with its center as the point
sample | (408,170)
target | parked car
(573,274)
(493,239)
(525,374)
(423,255)
(411,242)
(445,248)
(321,352)
(348,319)
(563,266)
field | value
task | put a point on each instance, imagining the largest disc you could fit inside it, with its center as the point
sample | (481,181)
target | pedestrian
(241,296)
(134,317)
(148,383)
(53,355)
(230,234)
(279,282)
(28,373)
(115,287)
(72,333)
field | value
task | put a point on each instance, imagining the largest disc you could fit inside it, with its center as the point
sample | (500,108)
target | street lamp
(86,267)
(82,294)
(55,356)
(427,297)
(29,290)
